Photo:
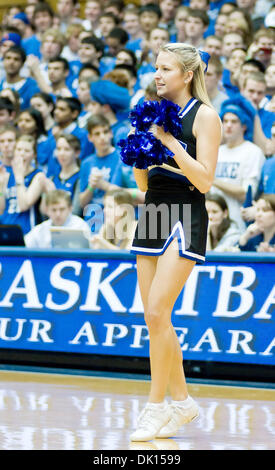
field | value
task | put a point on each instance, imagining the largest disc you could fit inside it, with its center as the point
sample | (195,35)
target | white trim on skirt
(177,232)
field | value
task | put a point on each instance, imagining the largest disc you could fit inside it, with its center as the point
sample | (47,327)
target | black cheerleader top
(169,176)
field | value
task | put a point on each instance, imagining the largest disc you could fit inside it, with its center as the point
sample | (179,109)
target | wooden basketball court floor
(75,411)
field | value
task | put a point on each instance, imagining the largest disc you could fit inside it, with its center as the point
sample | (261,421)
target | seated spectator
(106,22)
(21,194)
(65,10)
(168,10)
(254,90)
(114,102)
(92,12)
(132,25)
(66,113)
(22,23)
(220,23)
(14,97)
(196,25)
(267,180)
(231,41)
(213,83)
(42,20)
(239,161)
(256,17)
(85,98)
(14,60)
(157,37)
(116,41)
(58,207)
(239,26)
(52,43)
(260,235)
(262,46)
(213,45)
(149,18)
(233,70)
(270,86)
(30,121)
(44,103)
(70,50)
(90,52)
(7,111)
(136,93)
(8,40)
(67,153)
(8,135)
(241,14)
(58,72)
(119,224)
(223,233)
(98,169)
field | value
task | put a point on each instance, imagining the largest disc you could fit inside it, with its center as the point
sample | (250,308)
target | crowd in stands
(69,78)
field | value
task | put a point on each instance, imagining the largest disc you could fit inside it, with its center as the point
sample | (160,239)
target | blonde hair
(189,59)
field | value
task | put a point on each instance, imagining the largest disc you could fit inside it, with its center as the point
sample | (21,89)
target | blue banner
(89,302)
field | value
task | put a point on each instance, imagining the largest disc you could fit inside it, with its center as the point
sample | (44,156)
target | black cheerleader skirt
(172,210)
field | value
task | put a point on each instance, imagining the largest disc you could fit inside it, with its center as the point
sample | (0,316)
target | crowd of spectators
(68,80)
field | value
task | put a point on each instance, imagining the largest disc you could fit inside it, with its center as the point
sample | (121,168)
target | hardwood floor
(43,411)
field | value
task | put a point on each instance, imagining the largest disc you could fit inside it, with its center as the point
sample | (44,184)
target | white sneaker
(150,421)
(179,416)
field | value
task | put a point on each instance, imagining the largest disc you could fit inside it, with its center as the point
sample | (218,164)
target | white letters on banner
(89,293)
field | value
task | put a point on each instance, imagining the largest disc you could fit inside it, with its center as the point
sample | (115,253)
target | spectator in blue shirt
(42,20)
(30,122)
(97,172)
(66,113)
(14,59)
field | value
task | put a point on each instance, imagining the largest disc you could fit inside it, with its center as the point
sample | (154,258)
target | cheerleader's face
(169,76)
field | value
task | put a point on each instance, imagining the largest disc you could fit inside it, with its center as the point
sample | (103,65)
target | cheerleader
(171,233)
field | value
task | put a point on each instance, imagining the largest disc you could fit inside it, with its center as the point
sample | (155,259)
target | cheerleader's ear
(188,77)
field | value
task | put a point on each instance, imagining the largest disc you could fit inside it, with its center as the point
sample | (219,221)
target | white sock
(183,403)
(160,406)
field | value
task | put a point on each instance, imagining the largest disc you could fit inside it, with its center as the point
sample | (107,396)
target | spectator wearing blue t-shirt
(14,59)
(157,37)
(114,102)
(42,20)
(66,113)
(67,152)
(97,171)
(20,195)
(30,122)
(254,90)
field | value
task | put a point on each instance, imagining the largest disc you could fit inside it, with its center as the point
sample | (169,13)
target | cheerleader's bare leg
(161,280)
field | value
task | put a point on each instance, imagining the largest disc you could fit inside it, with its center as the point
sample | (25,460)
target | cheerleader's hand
(160,134)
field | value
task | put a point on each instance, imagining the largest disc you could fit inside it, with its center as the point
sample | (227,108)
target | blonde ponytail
(189,58)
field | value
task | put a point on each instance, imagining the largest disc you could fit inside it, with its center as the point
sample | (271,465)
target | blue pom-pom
(143,149)
(170,119)
(144,115)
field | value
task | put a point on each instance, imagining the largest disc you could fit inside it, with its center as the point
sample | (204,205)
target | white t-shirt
(242,166)
(40,235)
